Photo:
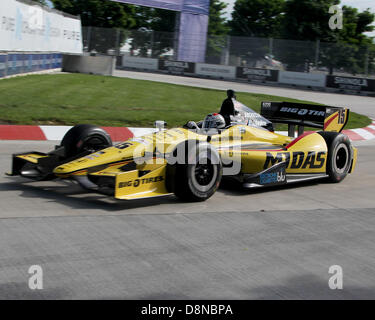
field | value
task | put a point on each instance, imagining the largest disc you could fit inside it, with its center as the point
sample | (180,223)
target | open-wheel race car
(191,161)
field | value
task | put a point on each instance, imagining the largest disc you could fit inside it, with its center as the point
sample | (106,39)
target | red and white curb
(26,132)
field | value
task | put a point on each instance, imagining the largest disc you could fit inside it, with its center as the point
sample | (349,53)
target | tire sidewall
(76,137)
(180,177)
(205,152)
(339,142)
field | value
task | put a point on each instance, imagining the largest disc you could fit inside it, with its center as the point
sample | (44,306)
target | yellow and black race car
(192,160)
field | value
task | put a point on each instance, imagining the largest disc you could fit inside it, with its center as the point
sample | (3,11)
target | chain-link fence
(289,55)
(124,42)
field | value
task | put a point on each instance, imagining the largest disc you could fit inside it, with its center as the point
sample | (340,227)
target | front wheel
(85,139)
(199,177)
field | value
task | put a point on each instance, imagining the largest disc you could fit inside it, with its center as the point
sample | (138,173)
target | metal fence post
(152,44)
(317,52)
(88,38)
(367,58)
(176,35)
(271,46)
(227,53)
(117,47)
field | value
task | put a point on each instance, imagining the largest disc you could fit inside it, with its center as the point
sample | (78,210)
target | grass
(68,99)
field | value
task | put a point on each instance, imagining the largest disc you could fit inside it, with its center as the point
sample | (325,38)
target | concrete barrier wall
(215,71)
(140,63)
(103,65)
(22,63)
(299,79)
(302,79)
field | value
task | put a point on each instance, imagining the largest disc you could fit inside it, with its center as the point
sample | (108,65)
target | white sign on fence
(25,27)
(140,63)
(302,79)
(213,70)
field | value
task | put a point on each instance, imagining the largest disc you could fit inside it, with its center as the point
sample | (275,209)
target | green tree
(100,16)
(307,20)
(257,18)
(217,24)
(352,50)
(99,13)
(217,32)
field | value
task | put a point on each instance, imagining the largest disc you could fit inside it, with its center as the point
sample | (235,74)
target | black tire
(85,138)
(340,155)
(198,178)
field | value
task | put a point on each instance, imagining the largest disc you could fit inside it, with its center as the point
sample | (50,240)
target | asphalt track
(270,244)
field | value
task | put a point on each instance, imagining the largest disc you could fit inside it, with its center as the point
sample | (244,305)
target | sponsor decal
(303,112)
(215,70)
(273,177)
(297,160)
(302,79)
(351,83)
(140,63)
(295,111)
(176,67)
(257,74)
(29,28)
(266,105)
(137,182)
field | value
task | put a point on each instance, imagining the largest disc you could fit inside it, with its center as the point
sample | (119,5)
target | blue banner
(18,63)
(3,60)
(193,37)
(192,6)
(15,64)
(197,6)
(174,5)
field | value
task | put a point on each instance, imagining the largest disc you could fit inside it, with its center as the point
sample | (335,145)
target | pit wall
(22,63)
(314,81)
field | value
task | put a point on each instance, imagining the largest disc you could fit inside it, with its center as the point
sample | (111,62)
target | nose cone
(74,167)
(99,160)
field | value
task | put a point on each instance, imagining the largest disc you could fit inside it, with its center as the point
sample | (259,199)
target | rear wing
(305,115)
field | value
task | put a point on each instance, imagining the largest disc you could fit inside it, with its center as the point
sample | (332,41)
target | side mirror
(160,124)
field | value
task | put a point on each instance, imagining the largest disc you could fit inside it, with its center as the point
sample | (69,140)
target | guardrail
(318,81)
(20,63)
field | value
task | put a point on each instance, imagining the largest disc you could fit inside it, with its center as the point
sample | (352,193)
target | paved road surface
(275,244)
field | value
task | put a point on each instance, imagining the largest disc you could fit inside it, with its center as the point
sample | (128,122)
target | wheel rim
(204,175)
(341,158)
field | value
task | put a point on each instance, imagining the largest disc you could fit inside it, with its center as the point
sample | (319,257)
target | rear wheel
(85,138)
(199,177)
(340,155)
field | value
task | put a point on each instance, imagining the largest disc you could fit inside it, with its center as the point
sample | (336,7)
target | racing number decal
(342,114)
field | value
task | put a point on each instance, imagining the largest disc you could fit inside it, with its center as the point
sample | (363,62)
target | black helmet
(231,94)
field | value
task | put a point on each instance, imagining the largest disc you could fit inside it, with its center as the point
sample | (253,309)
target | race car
(191,161)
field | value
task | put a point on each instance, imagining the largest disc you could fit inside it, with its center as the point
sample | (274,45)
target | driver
(214,121)
(227,108)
